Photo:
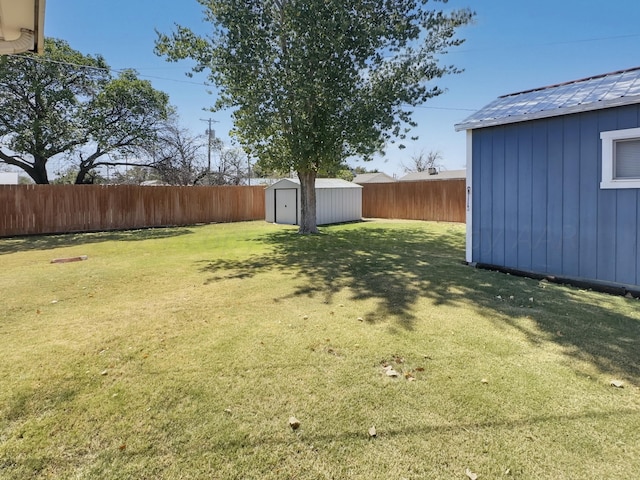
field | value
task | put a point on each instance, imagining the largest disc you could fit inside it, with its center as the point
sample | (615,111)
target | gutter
(24,43)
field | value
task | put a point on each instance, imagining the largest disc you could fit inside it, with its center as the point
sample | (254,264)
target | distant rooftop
(592,93)
(377,177)
(441,175)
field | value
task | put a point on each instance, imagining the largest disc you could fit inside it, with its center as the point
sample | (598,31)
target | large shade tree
(314,82)
(67,105)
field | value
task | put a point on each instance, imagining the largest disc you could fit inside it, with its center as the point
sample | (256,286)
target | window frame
(609,139)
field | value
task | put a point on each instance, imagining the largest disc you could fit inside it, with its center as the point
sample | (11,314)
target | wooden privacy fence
(438,200)
(37,209)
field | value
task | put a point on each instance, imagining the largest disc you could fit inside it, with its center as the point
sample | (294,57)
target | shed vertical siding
(539,194)
(589,182)
(511,197)
(555,194)
(537,202)
(338,205)
(270,205)
(497,197)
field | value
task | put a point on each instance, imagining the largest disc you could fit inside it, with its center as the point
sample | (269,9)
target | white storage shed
(336,201)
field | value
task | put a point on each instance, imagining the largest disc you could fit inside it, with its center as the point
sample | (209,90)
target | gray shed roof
(320,183)
(593,93)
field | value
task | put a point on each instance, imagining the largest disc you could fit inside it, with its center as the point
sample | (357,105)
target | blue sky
(513,45)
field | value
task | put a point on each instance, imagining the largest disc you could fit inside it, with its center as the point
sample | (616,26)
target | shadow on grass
(615,414)
(48,242)
(393,267)
(397,267)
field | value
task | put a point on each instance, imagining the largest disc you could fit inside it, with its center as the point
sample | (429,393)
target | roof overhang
(21,26)
(494,122)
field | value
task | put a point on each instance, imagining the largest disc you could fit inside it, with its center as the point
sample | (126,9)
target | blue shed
(553,181)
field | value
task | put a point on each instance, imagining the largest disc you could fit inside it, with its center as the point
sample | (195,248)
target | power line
(546,44)
(105,69)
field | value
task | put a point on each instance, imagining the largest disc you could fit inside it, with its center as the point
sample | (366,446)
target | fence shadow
(398,267)
(48,242)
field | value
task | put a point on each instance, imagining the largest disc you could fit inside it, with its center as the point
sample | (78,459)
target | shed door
(286,206)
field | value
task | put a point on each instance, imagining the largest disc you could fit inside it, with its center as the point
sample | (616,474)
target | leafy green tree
(313,82)
(345,174)
(69,175)
(360,170)
(64,104)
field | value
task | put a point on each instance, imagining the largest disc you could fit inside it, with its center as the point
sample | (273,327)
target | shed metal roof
(320,183)
(593,93)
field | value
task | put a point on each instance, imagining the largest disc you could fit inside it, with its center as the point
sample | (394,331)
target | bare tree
(178,156)
(181,158)
(422,162)
(230,168)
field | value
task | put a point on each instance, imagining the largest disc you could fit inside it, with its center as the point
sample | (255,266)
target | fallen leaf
(294,423)
(372,432)
(420,369)
(471,475)
(122,447)
(617,383)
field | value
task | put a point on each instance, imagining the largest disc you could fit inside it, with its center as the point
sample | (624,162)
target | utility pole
(211,136)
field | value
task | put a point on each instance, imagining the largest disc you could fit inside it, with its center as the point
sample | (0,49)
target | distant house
(9,178)
(434,175)
(336,201)
(553,181)
(377,177)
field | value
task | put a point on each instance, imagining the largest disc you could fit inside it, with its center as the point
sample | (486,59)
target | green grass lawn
(181,354)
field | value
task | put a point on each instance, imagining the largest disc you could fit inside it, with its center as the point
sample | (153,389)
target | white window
(621,158)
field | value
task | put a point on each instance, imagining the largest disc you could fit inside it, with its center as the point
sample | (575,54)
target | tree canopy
(314,82)
(64,104)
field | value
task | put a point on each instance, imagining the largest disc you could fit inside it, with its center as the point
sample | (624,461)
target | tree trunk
(308,221)
(39,171)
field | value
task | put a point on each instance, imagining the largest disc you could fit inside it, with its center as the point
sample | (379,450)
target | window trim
(609,139)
